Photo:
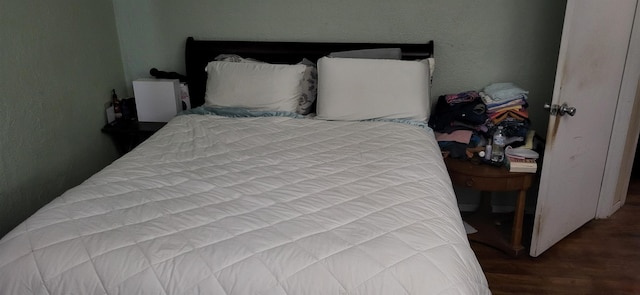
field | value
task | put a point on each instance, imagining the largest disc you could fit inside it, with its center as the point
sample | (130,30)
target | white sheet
(214,205)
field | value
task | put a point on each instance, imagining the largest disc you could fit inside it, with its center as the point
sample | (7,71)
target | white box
(157,100)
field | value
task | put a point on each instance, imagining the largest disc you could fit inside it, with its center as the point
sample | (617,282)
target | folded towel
(504,92)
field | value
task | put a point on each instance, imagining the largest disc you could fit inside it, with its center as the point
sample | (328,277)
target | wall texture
(58,62)
(477,42)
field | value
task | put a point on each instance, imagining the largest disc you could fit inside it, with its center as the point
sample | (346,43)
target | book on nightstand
(526,165)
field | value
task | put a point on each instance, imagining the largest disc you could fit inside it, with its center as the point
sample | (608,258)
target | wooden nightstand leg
(516,230)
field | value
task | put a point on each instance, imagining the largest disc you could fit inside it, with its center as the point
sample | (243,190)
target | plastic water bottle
(497,149)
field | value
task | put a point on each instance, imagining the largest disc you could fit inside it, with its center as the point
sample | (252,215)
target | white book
(526,165)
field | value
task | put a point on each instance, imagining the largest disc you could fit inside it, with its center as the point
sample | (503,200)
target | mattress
(260,205)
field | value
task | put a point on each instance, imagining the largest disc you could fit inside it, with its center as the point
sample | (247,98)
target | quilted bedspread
(265,205)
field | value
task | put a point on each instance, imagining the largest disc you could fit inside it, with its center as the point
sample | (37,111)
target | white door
(591,62)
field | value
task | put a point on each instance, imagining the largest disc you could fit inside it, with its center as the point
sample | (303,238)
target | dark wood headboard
(199,53)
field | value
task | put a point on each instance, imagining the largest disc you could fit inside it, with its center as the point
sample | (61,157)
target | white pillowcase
(256,86)
(361,89)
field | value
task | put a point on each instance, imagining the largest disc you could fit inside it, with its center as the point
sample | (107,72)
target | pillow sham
(234,58)
(309,88)
(361,89)
(254,85)
(308,84)
(374,53)
(432,67)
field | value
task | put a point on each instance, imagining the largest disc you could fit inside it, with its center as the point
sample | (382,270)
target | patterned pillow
(309,87)
(309,83)
(235,58)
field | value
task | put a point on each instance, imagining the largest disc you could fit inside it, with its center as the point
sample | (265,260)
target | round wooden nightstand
(487,179)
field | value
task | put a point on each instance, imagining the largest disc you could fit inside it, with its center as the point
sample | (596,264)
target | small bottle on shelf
(497,148)
(116,104)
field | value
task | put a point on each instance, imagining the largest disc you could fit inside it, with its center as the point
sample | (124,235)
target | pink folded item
(461,136)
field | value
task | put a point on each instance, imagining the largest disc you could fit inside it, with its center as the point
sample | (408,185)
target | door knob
(560,110)
(565,109)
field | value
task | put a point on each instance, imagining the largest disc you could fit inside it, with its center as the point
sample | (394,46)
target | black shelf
(128,134)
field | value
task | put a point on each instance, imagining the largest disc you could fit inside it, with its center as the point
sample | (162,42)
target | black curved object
(198,53)
(158,74)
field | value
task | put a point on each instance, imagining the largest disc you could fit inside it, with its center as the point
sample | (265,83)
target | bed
(232,200)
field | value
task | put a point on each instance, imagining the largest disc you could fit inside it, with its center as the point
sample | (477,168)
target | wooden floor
(602,257)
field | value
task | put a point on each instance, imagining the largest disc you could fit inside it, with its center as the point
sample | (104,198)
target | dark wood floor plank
(602,257)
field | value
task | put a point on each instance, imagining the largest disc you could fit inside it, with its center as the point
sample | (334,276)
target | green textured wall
(477,42)
(58,62)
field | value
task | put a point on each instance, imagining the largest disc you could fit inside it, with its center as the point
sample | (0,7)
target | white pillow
(308,85)
(256,86)
(360,89)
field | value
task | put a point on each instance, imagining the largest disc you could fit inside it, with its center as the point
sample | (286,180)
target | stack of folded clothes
(507,106)
(459,121)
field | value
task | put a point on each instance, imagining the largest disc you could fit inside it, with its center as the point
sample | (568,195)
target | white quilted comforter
(270,205)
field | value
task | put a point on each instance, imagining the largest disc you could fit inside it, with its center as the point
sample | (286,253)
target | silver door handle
(560,110)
